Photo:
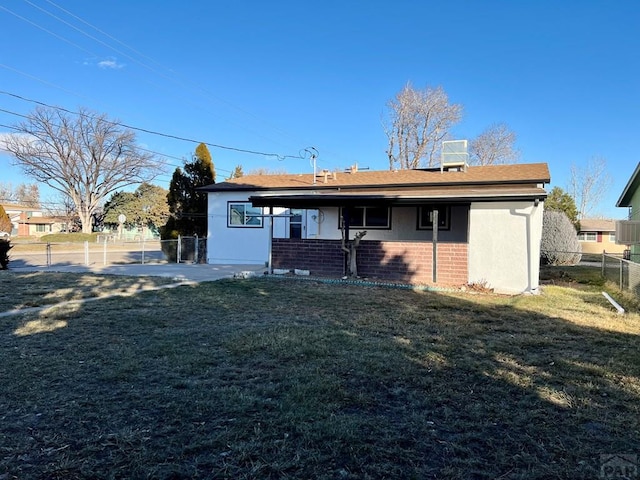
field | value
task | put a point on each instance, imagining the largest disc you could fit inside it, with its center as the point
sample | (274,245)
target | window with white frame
(612,237)
(367,217)
(588,236)
(41,228)
(243,215)
(425,217)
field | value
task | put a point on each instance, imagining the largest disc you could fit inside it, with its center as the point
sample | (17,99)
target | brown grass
(277,378)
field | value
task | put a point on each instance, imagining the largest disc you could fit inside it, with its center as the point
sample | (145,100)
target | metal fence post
(195,254)
(104,251)
(48,254)
(86,253)
(604,260)
(178,250)
(142,250)
(621,284)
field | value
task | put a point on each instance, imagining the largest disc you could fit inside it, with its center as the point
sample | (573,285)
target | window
(612,237)
(425,217)
(41,228)
(244,215)
(588,236)
(368,217)
(295,223)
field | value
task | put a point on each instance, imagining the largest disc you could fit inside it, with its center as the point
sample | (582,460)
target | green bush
(5,246)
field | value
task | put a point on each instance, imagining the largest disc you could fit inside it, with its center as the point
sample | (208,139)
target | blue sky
(281,76)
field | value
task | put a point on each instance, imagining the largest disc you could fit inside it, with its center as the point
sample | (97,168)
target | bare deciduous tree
(60,205)
(85,156)
(265,171)
(418,121)
(588,185)
(494,146)
(23,194)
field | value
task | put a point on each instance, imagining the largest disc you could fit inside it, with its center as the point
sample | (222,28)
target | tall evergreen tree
(560,201)
(237,172)
(5,221)
(5,244)
(187,205)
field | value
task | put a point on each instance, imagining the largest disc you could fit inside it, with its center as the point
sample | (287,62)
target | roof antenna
(314,155)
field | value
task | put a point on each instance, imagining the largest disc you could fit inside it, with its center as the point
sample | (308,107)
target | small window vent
(627,232)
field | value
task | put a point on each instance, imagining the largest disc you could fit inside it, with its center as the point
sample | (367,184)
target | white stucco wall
(238,245)
(504,245)
(233,245)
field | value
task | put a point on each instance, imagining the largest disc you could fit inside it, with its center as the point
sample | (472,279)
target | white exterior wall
(245,245)
(504,245)
(234,245)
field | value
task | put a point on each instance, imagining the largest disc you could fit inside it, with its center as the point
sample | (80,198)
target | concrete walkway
(177,271)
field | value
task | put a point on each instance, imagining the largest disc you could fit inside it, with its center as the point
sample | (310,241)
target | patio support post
(346,220)
(435,246)
(269,261)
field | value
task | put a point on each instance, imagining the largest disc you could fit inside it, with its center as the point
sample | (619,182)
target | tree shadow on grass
(42,289)
(277,379)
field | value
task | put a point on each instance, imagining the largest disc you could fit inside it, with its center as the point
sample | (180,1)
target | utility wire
(59,37)
(154,132)
(177,81)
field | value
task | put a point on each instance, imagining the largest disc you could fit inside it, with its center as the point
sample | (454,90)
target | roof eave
(316,201)
(629,189)
(323,186)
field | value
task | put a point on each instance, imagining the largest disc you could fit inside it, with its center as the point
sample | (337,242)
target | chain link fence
(624,273)
(185,249)
(108,251)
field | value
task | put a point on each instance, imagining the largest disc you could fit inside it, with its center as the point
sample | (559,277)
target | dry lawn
(276,378)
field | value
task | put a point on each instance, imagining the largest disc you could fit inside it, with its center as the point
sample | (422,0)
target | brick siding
(409,262)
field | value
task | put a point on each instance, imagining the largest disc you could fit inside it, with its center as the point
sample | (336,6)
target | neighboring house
(598,235)
(488,229)
(18,214)
(628,231)
(38,226)
(29,221)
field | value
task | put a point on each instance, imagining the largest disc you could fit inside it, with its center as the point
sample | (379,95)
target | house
(18,214)
(443,227)
(37,226)
(29,221)
(628,231)
(598,235)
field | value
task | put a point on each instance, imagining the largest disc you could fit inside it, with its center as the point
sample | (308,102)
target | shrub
(560,245)
(5,246)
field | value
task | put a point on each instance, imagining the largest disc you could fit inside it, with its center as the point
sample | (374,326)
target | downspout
(530,258)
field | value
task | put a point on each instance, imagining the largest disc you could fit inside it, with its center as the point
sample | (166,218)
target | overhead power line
(161,134)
